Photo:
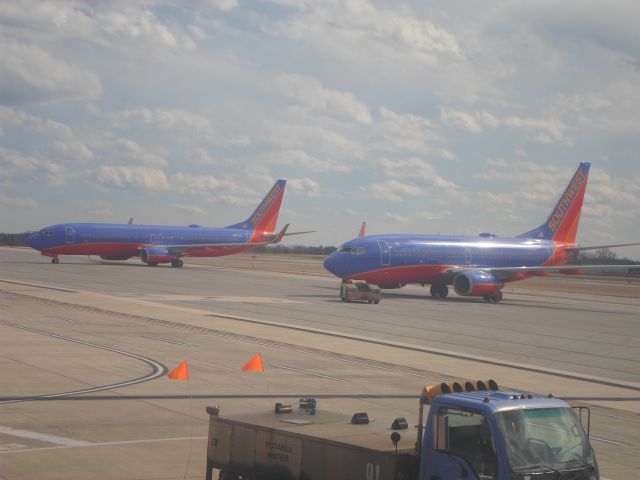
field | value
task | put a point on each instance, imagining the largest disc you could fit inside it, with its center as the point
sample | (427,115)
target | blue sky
(452,117)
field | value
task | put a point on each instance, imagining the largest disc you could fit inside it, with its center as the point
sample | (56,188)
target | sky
(453,117)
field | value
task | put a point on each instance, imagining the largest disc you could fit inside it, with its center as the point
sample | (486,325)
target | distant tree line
(13,239)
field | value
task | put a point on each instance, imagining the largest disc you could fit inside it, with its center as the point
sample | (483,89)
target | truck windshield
(545,439)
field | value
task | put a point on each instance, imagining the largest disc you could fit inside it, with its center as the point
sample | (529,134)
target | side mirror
(440,433)
(584,414)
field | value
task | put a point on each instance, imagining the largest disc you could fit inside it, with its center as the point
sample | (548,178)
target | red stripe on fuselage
(405,274)
(130,249)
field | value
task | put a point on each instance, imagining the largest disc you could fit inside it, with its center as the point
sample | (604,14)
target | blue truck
(465,431)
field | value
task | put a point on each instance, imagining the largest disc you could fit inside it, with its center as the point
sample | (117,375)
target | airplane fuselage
(390,260)
(127,240)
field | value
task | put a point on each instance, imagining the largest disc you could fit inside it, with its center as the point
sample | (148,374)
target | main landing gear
(439,291)
(495,298)
(55,260)
(176,262)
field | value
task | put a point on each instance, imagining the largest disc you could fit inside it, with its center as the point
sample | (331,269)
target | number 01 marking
(372,472)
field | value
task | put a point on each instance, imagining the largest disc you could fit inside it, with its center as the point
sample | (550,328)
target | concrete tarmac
(85,344)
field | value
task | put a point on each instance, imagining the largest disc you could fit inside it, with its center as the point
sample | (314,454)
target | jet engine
(115,257)
(476,283)
(155,255)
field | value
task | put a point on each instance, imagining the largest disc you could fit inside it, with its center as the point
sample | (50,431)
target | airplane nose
(329,263)
(32,240)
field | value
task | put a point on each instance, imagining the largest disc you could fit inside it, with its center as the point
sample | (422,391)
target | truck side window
(468,436)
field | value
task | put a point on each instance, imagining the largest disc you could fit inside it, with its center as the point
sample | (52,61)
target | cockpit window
(356,250)
(46,233)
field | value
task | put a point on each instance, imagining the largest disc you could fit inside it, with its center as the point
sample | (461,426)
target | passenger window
(467,435)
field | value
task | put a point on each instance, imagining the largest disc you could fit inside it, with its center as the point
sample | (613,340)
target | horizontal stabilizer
(598,247)
(281,235)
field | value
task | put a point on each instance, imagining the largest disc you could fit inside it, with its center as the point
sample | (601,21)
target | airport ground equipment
(359,290)
(465,431)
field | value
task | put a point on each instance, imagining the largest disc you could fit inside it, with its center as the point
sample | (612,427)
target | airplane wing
(504,273)
(181,249)
(268,239)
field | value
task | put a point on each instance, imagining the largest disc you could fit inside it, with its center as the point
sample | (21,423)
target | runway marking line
(104,444)
(43,437)
(306,372)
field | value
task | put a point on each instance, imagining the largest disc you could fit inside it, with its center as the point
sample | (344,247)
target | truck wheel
(376,301)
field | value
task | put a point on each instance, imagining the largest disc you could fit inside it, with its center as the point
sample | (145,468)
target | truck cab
(505,435)
(465,431)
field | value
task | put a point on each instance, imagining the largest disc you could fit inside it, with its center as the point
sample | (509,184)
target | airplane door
(467,256)
(385,252)
(70,233)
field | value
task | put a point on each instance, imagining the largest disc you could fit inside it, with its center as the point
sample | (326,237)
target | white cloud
(73,150)
(304,186)
(15,166)
(393,190)
(181,123)
(138,177)
(317,99)
(461,120)
(402,132)
(18,202)
(201,156)
(30,74)
(301,159)
(192,209)
(416,169)
(98,208)
(394,218)
(346,29)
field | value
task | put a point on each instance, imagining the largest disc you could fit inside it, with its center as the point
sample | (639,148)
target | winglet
(280,235)
(363,229)
(562,224)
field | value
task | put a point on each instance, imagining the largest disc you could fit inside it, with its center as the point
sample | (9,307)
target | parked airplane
(475,266)
(156,244)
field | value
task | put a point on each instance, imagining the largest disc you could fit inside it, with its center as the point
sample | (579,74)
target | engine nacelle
(476,283)
(155,255)
(115,257)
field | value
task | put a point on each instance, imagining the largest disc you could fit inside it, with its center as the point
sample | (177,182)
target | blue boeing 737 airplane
(156,244)
(475,266)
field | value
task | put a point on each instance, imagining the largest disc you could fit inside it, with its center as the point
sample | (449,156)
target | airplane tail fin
(363,230)
(265,216)
(562,224)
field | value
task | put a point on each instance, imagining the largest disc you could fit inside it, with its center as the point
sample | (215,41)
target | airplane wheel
(439,291)
(176,262)
(55,260)
(497,298)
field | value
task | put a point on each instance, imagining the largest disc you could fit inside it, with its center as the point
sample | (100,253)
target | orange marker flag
(181,372)
(254,365)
